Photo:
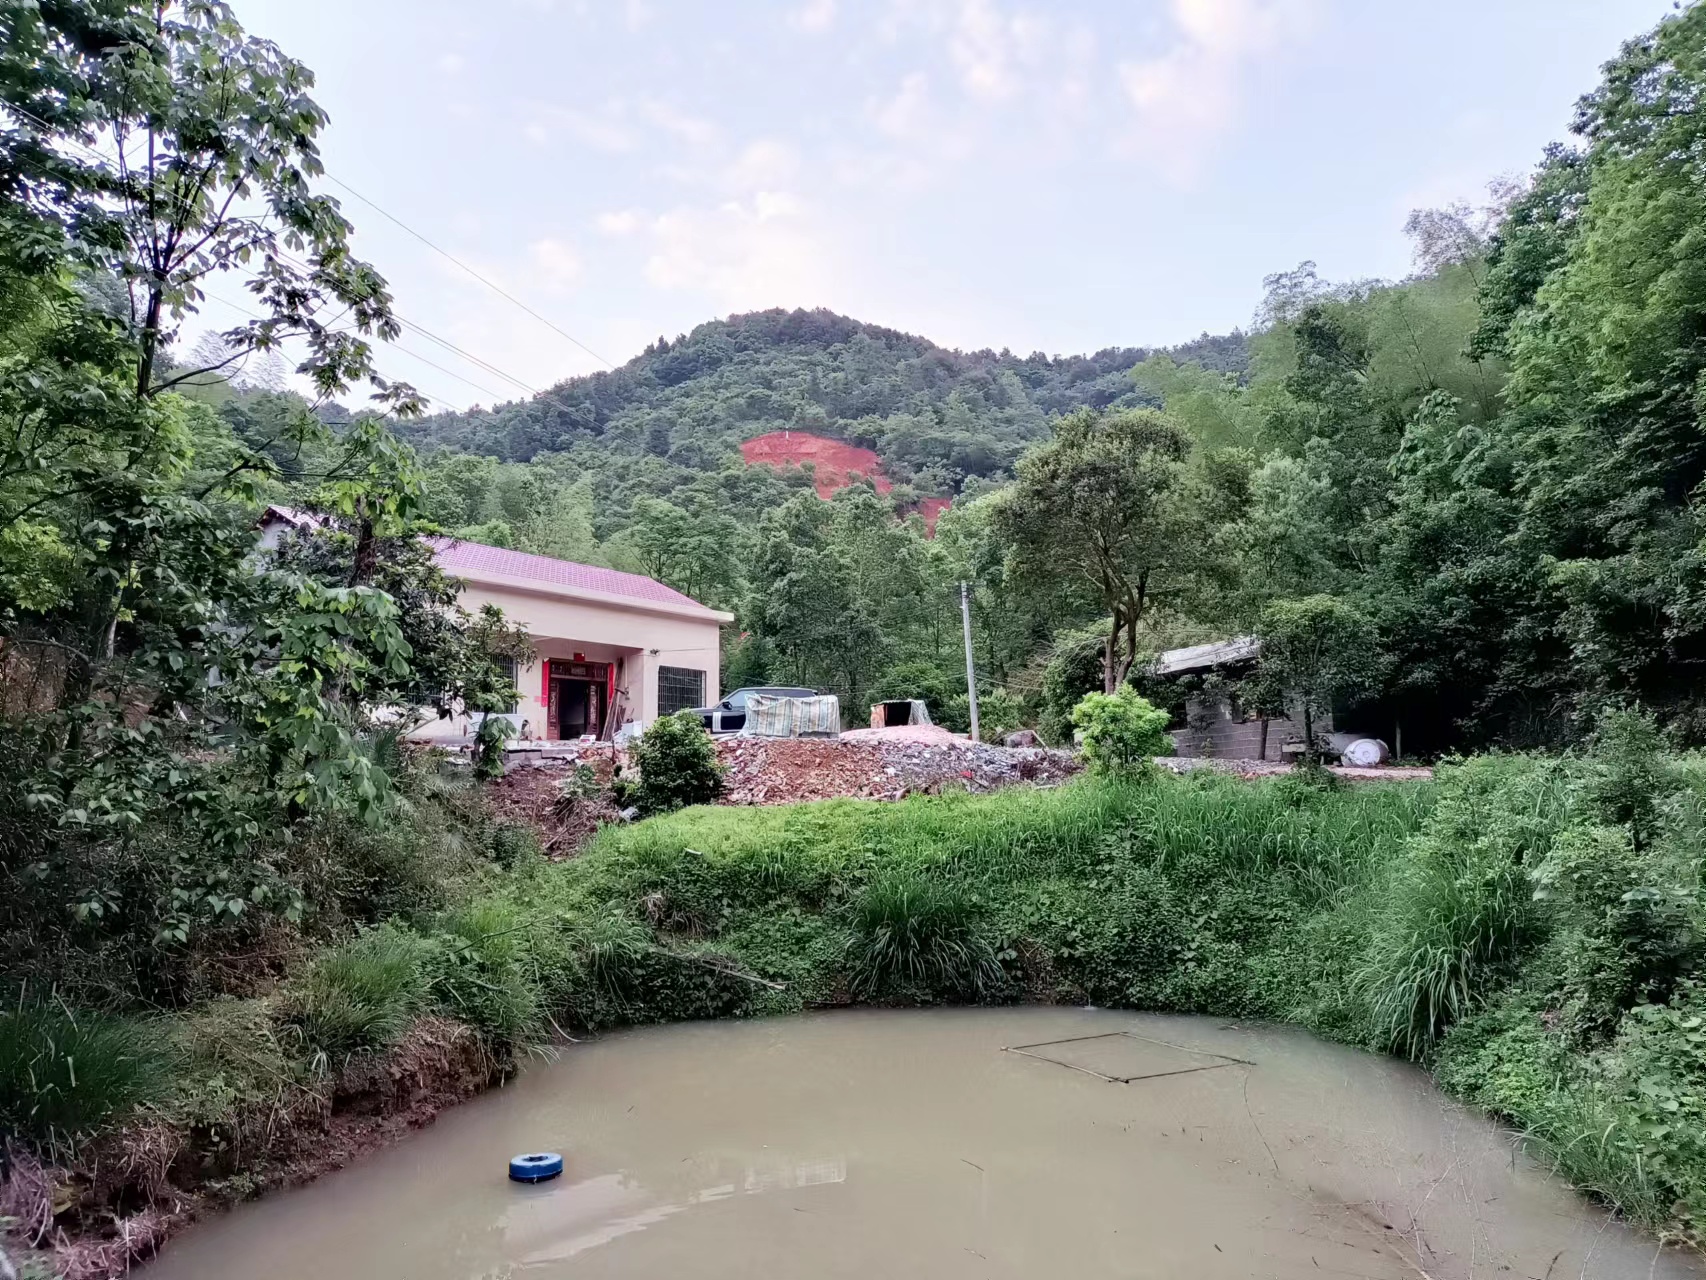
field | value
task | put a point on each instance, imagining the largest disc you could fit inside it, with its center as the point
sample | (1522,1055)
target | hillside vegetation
(244,927)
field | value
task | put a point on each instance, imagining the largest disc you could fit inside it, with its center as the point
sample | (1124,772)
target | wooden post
(971,670)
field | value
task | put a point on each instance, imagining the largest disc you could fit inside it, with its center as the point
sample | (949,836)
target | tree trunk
(366,558)
(150,344)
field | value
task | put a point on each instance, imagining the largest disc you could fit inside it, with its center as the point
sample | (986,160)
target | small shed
(1217,723)
(899,711)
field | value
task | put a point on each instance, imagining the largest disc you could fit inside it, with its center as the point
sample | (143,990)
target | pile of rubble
(565,816)
(884,767)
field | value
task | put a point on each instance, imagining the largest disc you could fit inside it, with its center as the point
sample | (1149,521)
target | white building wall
(638,639)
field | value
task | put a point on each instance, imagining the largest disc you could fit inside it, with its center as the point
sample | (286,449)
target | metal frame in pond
(1226,1060)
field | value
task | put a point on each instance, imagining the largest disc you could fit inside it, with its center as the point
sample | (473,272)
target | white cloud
(763,251)
(905,114)
(815,15)
(620,222)
(762,163)
(556,265)
(452,63)
(604,130)
(1190,93)
(690,129)
(991,49)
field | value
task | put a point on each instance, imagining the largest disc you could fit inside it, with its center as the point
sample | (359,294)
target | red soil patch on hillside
(930,508)
(836,464)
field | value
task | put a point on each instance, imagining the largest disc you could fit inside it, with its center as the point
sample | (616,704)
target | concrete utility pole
(971,671)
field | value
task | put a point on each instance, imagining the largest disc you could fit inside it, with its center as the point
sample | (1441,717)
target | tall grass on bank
(1457,911)
(912,933)
(798,851)
(65,1074)
(363,995)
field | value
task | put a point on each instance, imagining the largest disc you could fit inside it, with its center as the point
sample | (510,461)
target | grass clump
(483,972)
(916,935)
(363,995)
(64,1074)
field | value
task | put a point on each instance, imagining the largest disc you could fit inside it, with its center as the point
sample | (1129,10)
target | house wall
(637,641)
(1216,731)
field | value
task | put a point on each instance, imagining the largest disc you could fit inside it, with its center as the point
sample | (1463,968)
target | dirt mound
(534,796)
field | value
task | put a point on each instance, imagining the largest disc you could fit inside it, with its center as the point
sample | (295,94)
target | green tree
(1316,653)
(1113,505)
(692,551)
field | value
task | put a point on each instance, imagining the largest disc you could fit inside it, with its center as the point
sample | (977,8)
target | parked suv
(729,715)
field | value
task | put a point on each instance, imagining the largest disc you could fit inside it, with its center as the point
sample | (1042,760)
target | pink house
(610,647)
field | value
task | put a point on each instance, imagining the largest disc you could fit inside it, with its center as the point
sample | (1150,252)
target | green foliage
(1122,732)
(1457,914)
(1074,669)
(364,995)
(677,763)
(489,741)
(483,972)
(1317,653)
(998,714)
(65,1074)
(1116,508)
(914,935)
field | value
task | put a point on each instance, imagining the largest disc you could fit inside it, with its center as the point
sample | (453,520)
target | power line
(430,336)
(470,270)
(466,355)
(184,204)
(237,306)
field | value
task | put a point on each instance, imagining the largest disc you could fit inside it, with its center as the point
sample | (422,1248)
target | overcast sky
(1032,174)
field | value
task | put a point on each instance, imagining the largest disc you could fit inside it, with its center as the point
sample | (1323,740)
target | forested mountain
(937,417)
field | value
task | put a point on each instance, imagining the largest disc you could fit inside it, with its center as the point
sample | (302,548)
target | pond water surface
(897,1144)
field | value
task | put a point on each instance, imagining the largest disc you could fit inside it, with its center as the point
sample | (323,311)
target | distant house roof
(476,561)
(1203,657)
(292,517)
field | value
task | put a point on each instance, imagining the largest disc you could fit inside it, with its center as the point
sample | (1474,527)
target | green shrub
(489,741)
(1629,927)
(999,713)
(1074,669)
(1122,732)
(678,765)
(65,1073)
(364,995)
(1656,1084)
(919,936)
(513,844)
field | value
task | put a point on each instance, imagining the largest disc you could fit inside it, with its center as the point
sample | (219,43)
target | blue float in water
(539,1166)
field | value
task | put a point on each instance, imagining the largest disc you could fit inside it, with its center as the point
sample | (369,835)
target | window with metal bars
(679,689)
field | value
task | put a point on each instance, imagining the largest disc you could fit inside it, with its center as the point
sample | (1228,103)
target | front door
(577,703)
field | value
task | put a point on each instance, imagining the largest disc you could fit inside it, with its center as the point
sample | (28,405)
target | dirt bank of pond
(951,1143)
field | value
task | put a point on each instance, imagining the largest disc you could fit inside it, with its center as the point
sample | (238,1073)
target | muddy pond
(1031,1142)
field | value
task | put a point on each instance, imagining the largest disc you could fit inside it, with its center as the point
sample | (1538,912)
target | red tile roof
(455,555)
